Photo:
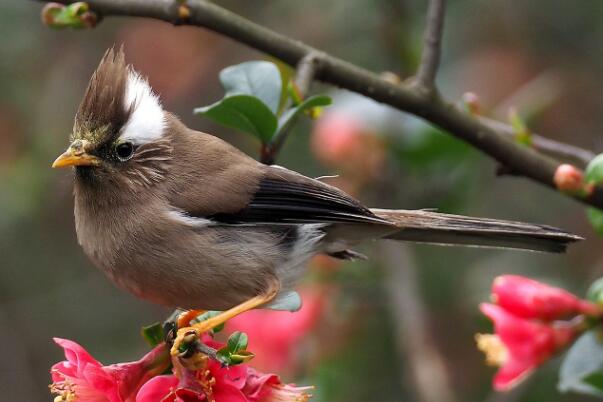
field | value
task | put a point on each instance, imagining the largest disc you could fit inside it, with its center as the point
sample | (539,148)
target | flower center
(207,382)
(495,350)
(65,391)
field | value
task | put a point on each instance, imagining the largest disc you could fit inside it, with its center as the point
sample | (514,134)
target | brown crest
(103,111)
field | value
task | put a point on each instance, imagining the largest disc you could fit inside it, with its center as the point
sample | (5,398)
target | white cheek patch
(147,121)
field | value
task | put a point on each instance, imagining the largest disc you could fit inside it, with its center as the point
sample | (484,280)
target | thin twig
(432,44)
(304,75)
(517,158)
(305,72)
(413,338)
(559,150)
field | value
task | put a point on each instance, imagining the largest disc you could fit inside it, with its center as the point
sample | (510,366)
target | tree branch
(432,45)
(559,150)
(517,158)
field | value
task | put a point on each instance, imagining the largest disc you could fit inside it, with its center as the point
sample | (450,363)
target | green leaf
(243,112)
(153,334)
(583,367)
(595,379)
(595,291)
(242,356)
(594,175)
(235,351)
(224,355)
(595,217)
(594,170)
(523,135)
(260,79)
(289,117)
(74,15)
(237,341)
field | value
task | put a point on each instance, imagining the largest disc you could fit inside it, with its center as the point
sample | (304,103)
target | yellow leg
(204,326)
(184,319)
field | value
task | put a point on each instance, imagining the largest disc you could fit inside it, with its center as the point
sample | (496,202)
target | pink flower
(518,345)
(341,139)
(82,378)
(531,299)
(216,383)
(337,135)
(273,335)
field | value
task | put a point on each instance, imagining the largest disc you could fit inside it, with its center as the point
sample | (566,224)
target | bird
(184,219)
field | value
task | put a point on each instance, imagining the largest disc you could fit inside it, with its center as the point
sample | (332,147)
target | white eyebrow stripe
(147,121)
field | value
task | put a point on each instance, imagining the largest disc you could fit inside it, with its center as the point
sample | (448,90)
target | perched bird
(184,219)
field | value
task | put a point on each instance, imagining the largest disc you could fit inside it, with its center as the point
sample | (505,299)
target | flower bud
(527,298)
(569,179)
(471,102)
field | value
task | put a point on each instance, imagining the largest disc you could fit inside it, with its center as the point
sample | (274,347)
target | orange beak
(76,155)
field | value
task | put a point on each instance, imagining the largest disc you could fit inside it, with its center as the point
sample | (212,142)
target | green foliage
(582,369)
(260,79)
(595,217)
(235,351)
(243,112)
(595,292)
(253,98)
(289,116)
(75,15)
(153,334)
(523,135)
(594,175)
(594,171)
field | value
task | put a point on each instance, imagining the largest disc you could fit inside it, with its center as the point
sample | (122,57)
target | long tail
(432,227)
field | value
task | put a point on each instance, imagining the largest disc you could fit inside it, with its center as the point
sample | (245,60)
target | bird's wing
(286,197)
(213,180)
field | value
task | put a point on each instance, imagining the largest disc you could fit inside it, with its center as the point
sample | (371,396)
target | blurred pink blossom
(275,335)
(342,140)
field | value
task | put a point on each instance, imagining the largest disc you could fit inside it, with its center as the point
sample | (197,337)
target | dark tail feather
(432,227)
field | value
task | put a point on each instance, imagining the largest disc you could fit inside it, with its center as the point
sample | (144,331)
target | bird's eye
(124,151)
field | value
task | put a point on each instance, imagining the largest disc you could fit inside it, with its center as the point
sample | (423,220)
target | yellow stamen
(495,350)
(65,391)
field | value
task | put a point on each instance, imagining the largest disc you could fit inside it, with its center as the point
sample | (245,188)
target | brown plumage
(184,219)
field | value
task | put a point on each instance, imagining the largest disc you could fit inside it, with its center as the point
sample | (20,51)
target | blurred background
(397,328)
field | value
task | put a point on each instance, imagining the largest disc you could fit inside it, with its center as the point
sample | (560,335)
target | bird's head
(120,131)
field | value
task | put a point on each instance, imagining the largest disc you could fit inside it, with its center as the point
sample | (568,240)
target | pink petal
(232,375)
(61,370)
(157,388)
(511,374)
(185,395)
(258,384)
(101,381)
(76,354)
(528,298)
(228,393)
(522,337)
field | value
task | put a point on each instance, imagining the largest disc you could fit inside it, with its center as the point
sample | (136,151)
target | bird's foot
(189,335)
(185,318)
